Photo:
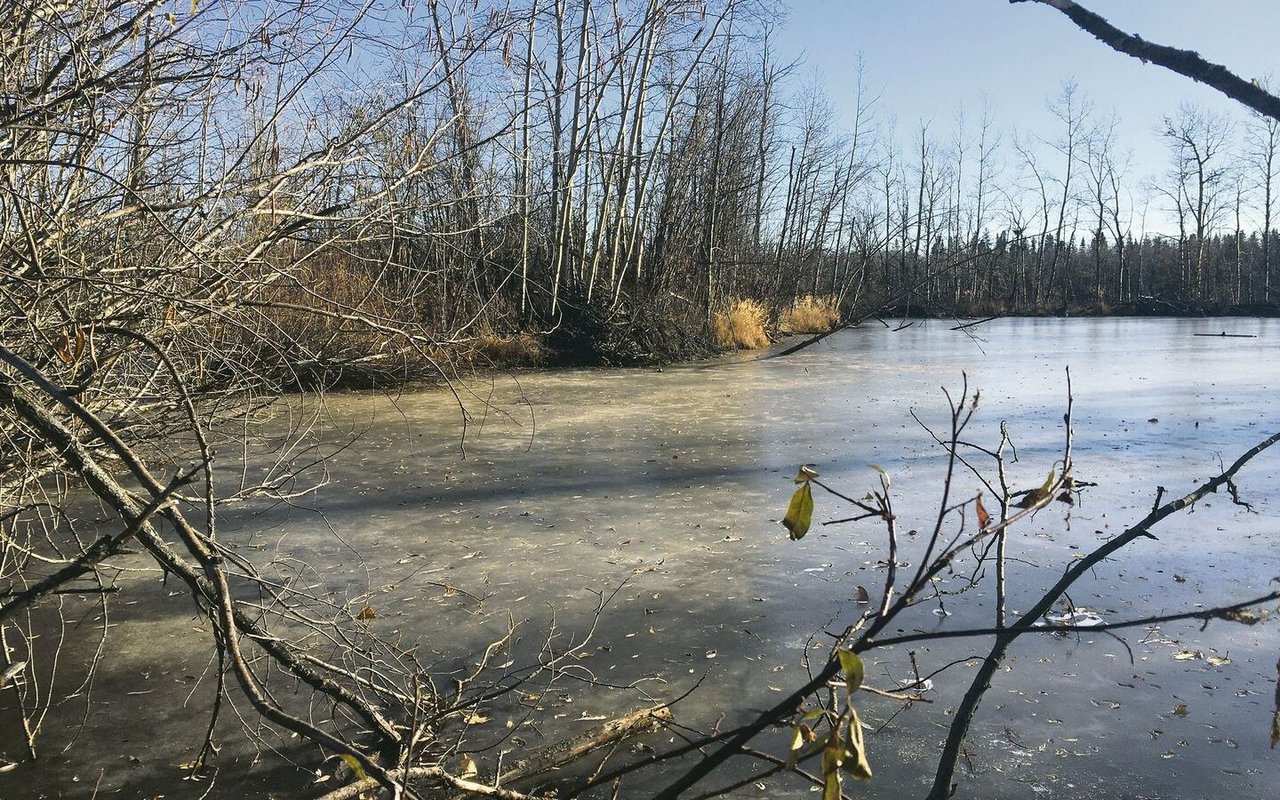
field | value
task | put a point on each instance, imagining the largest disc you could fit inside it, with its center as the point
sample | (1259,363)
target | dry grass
(743,326)
(307,327)
(520,350)
(319,321)
(316,306)
(810,314)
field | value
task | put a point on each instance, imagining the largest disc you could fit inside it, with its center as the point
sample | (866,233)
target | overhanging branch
(1183,62)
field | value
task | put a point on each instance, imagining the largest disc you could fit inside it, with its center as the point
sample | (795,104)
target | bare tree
(1198,142)
(1104,175)
(1074,114)
(1262,139)
(150,283)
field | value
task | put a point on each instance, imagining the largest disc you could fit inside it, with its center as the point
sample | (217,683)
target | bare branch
(1183,62)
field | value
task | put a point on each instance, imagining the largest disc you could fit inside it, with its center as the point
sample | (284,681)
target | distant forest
(605,177)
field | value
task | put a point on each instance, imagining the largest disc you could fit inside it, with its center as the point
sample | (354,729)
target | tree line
(609,175)
(620,171)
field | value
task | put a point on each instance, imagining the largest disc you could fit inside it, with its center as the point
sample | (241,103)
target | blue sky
(930,58)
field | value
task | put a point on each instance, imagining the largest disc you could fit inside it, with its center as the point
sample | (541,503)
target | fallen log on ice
(553,756)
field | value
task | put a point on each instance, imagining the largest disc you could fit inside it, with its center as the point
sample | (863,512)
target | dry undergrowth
(317,320)
(810,314)
(743,326)
(516,350)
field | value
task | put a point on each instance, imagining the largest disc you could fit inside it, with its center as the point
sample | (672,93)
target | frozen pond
(665,486)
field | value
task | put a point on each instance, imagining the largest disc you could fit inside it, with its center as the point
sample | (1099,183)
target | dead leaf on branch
(70,345)
(467,767)
(1039,493)
(799,512)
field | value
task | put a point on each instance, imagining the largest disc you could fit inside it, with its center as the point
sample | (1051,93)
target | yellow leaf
(799,512)
(475,718)
(856,762)
(1038,494)
(804,740)
(467,767)
(831,758)
(797,741)
(353,764)
(195,5)
(799,738)
(852,668)
(1048,482)
(831,789)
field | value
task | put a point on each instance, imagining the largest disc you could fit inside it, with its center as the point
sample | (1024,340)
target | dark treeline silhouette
(1018,275)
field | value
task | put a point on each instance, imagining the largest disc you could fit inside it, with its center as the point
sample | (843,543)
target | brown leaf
(63,348)
(367,613)
(467,767)
(70,345)
(983,516)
